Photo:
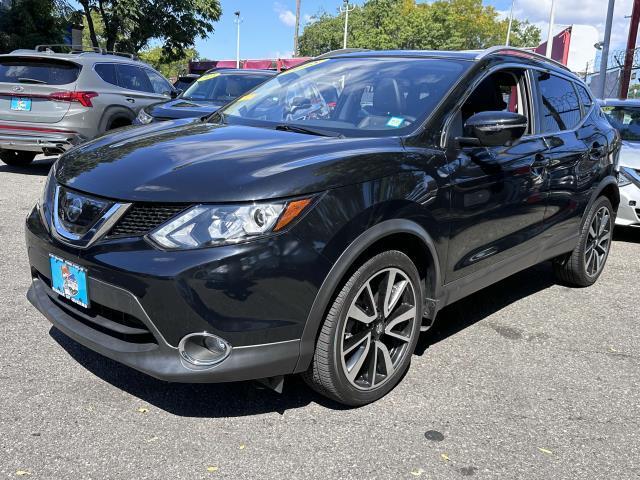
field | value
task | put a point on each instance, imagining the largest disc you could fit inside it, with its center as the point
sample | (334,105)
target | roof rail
(132,56)
(70,48)
(519,52)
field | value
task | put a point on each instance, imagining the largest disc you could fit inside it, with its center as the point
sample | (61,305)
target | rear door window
(133,78)
(38,71)
(107,72)
(560,105)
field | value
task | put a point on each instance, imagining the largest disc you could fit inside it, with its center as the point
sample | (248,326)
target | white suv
(52,101)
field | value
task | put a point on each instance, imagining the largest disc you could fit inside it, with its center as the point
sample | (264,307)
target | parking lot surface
(526,379)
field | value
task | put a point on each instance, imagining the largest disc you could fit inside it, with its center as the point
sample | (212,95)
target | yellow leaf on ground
(152,439)
(242,446)
(212,469)
(544,450)
(143,410)
(445,457)
(22,473)
(416,472)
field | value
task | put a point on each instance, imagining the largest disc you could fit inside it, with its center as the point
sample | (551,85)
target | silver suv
(52,101)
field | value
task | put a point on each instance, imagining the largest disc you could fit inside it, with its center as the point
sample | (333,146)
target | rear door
(576,149)
(138,88)
(27,84)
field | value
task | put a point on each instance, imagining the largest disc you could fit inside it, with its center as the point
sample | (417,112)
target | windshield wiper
(30,80)
(287,127)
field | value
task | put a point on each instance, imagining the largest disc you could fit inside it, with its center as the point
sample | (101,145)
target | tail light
(83,98)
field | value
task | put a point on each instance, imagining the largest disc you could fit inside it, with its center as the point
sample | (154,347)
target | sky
(267,26)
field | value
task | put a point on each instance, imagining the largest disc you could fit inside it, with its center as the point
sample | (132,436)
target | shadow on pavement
(626,234)
(196,399)
(245,398)
(40,166)
(476,307)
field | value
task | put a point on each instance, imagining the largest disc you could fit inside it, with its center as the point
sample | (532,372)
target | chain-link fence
(614,77)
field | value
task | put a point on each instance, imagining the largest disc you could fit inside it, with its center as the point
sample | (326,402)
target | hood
(630,154)
(182,108)
(181,161)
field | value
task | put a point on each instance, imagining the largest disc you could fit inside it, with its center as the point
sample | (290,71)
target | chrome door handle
(131,100)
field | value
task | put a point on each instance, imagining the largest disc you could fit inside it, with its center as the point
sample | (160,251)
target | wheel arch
(397,234)
(113,113)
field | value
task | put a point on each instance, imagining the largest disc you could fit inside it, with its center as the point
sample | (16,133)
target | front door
(498,194)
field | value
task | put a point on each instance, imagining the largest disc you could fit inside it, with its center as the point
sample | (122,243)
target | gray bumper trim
(163,361)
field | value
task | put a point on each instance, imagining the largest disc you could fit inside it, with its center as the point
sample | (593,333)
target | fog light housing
(203,349)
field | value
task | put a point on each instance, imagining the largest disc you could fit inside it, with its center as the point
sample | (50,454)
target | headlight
(623,181)
(213,225)
(45,201)
(144,117)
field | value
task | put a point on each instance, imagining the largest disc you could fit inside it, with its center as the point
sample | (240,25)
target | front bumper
(36,139)
(143,301)
(629,209)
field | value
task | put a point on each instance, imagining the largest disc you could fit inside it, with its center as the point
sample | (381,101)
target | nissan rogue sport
(289,234)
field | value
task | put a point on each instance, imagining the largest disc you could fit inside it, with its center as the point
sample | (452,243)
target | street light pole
(297,30)
(604,60)
(552,19)
(237,21)
(346,8)
(510,23)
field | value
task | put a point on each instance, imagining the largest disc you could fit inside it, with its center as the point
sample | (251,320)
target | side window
(107,72)
(585,97)
(505,90)
(560,106)
(159,84)
(133,78)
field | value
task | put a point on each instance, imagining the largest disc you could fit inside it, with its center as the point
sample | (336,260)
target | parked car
(184,81)
(206,95)
(51,101)
(624,116)
(253,246)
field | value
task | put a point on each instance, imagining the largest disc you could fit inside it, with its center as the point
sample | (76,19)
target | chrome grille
(142,218)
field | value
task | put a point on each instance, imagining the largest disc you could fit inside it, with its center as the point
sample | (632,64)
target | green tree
(405,24)
(27,23)
(155,58)
(132,24)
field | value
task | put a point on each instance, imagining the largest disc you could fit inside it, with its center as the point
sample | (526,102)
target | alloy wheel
(378,329)
(598,242)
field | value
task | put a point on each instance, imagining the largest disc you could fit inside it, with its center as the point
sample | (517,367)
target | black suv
(318,223)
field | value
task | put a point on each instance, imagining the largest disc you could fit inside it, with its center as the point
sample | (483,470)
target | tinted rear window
(560,106)
(38,70)
(107,72)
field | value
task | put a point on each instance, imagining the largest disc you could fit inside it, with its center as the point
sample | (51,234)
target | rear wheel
(365,344)
(17,158)
(583,266)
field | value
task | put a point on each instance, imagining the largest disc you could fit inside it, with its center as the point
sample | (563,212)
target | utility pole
(510,23)
(295,38)
(552,19)
(604,60)
(237,21)
(346,8)
(631,50)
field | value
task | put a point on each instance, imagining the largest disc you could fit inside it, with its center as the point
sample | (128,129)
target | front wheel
(583,266)
(368,337)
(17,158)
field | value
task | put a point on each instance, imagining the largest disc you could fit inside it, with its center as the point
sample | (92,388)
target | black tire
(575,269)
(16,158)
(326,373)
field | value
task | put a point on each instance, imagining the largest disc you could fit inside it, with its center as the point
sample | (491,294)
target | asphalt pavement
(526,379)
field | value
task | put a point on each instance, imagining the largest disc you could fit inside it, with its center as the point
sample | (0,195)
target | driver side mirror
(493,129)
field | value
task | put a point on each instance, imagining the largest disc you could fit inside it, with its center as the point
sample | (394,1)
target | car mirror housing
(494,129)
